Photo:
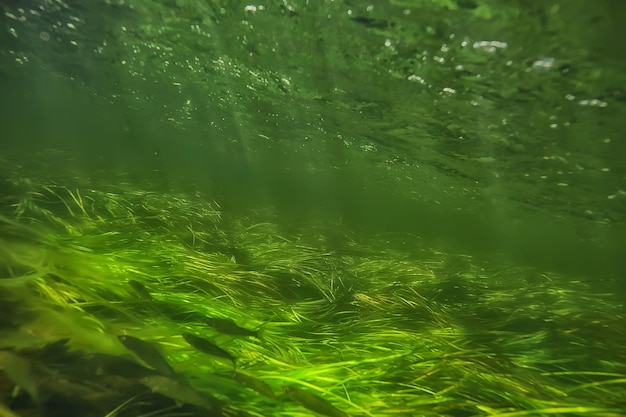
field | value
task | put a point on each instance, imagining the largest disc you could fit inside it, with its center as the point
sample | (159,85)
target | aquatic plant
(369,332)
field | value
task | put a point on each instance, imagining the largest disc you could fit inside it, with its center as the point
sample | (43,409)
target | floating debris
(179,391)
(208,347)
(254,383)
(314,402)
(147,352)
(229,327)
(140,289)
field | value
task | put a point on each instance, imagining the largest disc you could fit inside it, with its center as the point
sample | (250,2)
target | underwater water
(298,208)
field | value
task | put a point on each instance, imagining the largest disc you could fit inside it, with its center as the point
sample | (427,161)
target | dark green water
(485,127)
(418,208)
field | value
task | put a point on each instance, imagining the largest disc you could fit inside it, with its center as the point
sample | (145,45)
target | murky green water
(482,136)
(497,127)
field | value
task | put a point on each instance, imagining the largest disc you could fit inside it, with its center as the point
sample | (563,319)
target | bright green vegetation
(373,332)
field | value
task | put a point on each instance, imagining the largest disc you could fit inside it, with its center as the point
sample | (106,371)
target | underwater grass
(372,331)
